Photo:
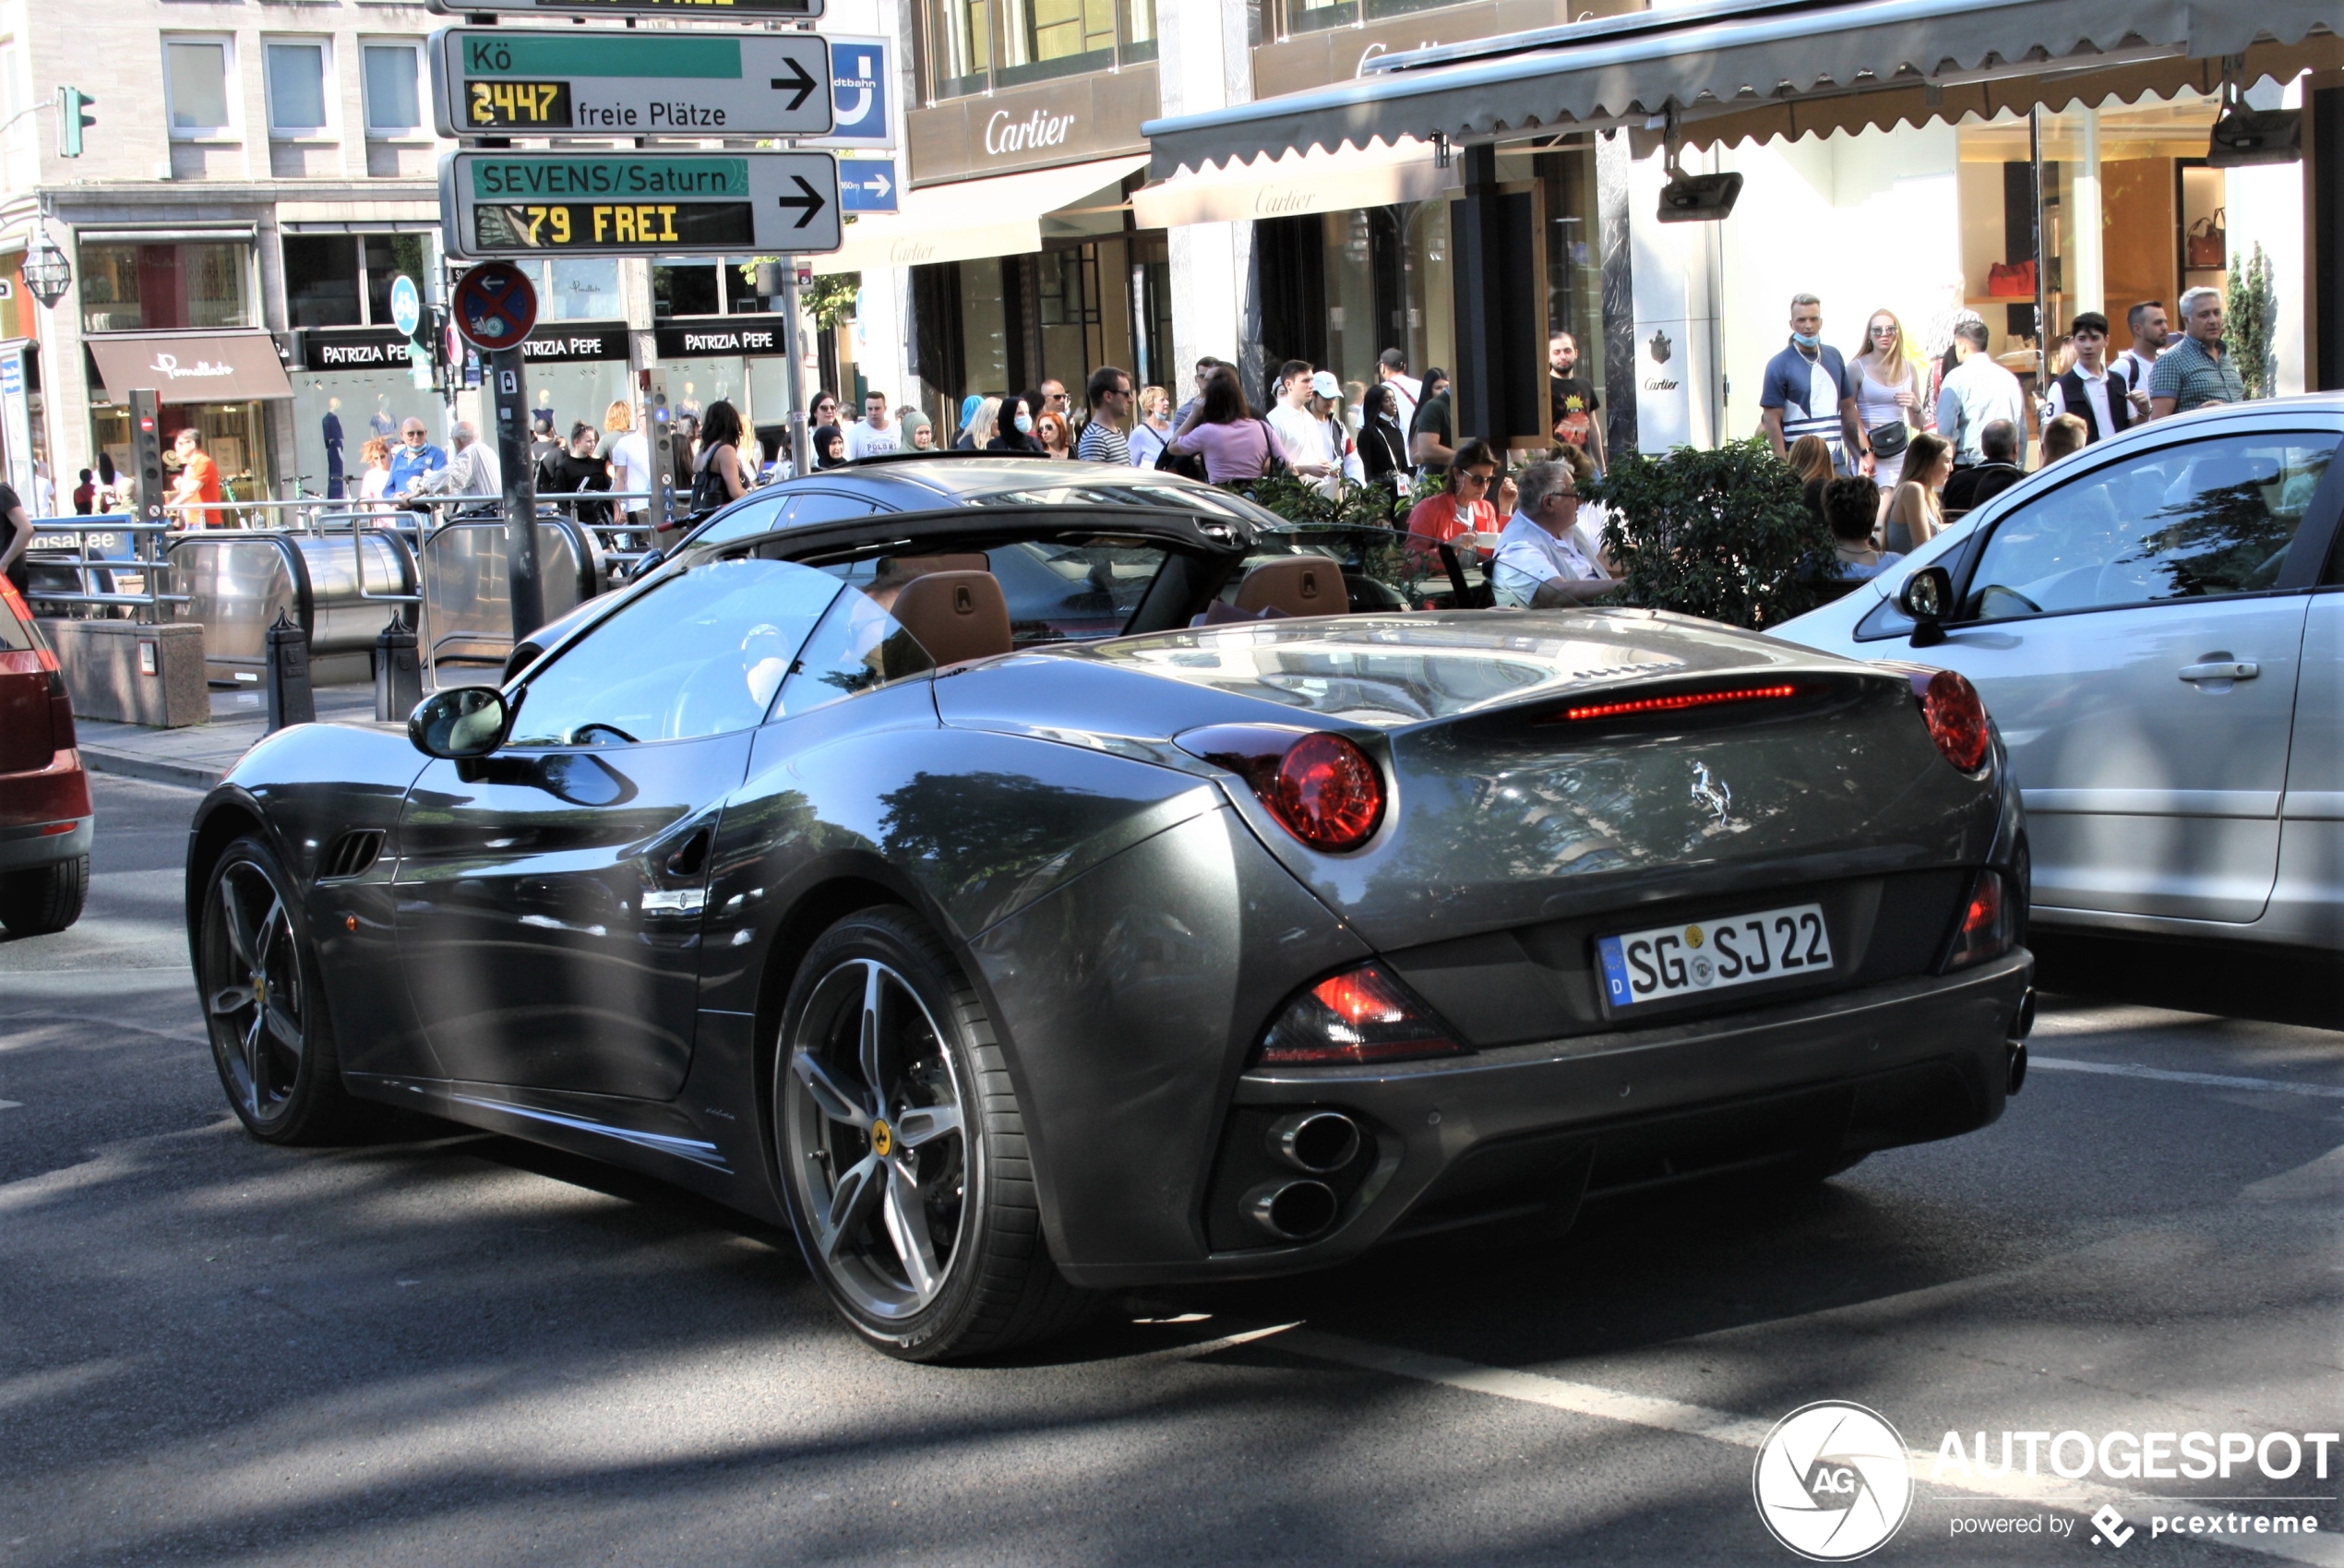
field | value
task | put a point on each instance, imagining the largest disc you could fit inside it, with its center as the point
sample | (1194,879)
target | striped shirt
(1102,442)
(2192,377)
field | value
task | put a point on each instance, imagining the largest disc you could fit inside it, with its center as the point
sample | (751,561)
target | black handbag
(1188,465)
(1889,440)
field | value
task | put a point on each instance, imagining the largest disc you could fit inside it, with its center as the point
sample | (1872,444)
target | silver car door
(2129,635)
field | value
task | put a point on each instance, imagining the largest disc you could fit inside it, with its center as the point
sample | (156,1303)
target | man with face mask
(1807,392)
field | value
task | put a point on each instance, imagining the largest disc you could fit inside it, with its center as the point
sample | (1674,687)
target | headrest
(955,614)
(1298,585)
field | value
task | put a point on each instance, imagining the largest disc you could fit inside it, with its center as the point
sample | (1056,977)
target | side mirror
(1927,597)
(463,721)
(645,567)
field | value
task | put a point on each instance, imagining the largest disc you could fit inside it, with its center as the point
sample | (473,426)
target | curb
(155,770)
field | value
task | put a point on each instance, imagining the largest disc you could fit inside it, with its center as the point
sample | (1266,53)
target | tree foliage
(1723,534)
(2250,320)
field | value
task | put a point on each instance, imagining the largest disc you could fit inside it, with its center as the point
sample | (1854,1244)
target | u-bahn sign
(494,81)
(649,204)
(695,10)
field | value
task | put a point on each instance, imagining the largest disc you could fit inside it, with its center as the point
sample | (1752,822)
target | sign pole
(509,380)
(793,375)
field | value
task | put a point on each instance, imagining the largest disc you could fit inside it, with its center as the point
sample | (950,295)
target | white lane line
(11,1105)
(1743,1432)
(2166,1075)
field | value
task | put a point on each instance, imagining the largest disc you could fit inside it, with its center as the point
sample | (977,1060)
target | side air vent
(351,854)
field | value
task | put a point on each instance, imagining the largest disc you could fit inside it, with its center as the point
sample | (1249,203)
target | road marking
(11,1105)
(1741,1432)
(2166,1075)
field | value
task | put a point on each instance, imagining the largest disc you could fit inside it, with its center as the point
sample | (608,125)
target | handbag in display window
(2011,280)
(2207,243)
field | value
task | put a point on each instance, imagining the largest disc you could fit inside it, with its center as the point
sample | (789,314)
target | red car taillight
(1989,923)
(1321,787)
(1956,719)
(1360,1015)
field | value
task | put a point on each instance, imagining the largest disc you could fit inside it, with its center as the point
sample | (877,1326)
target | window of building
(976,46)
(393,105)
(686,289)
(296,78)
(344,280)
(581,290)
(196,86)
(132,288)
(389,257)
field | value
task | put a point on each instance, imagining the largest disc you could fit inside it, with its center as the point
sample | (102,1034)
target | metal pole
(509,382)
(794,378)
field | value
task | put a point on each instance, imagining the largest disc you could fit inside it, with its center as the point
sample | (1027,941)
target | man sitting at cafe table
(1538,566)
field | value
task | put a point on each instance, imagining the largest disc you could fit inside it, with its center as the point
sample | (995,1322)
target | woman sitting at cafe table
(1463,505)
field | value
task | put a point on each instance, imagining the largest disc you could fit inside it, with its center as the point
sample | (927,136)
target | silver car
(2157,627)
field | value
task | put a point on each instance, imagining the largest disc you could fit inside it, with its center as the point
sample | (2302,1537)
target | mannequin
(332,427)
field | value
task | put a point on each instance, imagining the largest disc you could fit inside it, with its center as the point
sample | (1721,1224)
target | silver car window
(2193,521)
(700,654)
(857,648)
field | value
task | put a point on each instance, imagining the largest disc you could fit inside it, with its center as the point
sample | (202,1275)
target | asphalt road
(462,1350)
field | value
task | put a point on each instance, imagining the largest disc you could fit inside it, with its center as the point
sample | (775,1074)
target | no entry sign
(495,305)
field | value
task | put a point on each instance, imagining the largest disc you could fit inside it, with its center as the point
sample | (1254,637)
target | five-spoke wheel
(269,1034)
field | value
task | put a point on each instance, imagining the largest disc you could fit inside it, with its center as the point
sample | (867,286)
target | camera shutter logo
(1832,1481)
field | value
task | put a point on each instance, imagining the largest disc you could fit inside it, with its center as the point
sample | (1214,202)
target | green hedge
(1723,534)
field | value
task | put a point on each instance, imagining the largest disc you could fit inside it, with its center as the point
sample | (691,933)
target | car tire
(867,1175)
(272,1037)
(45,899)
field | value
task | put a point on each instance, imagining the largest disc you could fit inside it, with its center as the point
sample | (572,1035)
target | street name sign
(495,82)
(697,10)
(648,204)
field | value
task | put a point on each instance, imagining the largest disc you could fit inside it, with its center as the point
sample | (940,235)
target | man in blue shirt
(1807,391)
(416,457)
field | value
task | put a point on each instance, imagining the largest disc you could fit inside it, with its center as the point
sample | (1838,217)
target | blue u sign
(858,88)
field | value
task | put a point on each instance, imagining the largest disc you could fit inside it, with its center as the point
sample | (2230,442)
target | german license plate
(1670,962)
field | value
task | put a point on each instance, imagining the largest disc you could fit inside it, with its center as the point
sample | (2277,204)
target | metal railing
(88,566)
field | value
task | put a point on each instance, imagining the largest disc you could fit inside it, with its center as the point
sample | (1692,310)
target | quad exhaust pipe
(1292,1211)
(2022,1023)
(1316,1140)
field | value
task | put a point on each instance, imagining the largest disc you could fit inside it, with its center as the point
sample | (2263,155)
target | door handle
(2242,669)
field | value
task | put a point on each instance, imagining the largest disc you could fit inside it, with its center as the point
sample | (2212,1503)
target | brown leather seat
(1296,585)
(955,614)
(894,571)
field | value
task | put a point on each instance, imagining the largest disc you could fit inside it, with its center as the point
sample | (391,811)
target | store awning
(967,218)
(190,367)
(1742,68)
(1316,181)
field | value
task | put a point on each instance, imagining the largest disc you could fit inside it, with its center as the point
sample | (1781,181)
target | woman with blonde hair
(986,424)
(1153,429)
(1889,401)
(1916,512)
(1809,457)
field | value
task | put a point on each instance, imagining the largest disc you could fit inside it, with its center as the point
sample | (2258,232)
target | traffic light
(73,118)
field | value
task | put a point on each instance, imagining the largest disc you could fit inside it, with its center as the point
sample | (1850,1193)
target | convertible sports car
(1009,957)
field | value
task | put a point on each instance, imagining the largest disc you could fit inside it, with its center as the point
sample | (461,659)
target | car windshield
(1057,590)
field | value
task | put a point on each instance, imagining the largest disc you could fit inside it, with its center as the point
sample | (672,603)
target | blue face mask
(1024,424)
(1806,339)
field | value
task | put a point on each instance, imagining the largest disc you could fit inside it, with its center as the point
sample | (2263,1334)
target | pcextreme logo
(1832,1481)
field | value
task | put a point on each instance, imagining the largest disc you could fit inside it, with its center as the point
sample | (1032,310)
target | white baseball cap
(1325,384)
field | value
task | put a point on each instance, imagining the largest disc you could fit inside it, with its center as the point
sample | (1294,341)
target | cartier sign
(1040,126)
(1037,130)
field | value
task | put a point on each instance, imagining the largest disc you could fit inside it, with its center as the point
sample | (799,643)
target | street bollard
(290,700)
(399,674)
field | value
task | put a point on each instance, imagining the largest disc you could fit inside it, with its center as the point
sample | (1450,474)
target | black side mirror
(461,721)
(1927,597)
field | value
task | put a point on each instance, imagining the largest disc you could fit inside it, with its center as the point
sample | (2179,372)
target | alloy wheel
(874,1137)
(253,995)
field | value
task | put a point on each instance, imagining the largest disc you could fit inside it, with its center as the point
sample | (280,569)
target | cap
(1325,384)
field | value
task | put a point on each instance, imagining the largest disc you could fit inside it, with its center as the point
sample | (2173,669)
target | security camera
(1699,198)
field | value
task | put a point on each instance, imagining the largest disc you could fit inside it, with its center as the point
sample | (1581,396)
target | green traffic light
(74,118)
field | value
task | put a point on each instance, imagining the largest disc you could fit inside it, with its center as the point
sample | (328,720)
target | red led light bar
(1681,701)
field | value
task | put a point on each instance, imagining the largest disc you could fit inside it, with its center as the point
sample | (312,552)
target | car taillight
(1360,1015)
(1956,719)
(1321,787)
(1988,924)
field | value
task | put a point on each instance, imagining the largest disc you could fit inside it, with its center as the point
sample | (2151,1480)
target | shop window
(394,108)
(686,290)
(978,46)
(1056,37)
(962,31)
(322,280)
(296,79)
(581,290)
(1139,32)
(389,257)
(131,288)
(1316,15)
(195,87)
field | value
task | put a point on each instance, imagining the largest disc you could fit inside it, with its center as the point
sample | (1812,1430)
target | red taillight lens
(1360,1015)
(1956,719)
(1987,923)
(1327,793)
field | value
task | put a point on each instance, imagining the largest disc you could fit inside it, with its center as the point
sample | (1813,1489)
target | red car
(45,821)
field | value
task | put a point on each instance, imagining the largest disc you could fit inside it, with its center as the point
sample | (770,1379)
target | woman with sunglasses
(1461,505)
(1888,396)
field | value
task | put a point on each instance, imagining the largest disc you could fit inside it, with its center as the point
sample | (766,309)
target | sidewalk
(199,755)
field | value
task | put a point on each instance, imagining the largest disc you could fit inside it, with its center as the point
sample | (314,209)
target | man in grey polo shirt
(2197,372)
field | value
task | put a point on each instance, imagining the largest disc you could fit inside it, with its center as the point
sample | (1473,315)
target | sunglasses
(1476,475)
(1884,332)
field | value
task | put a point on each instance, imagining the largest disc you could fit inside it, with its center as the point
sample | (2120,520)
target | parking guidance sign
(491,81)
(648,204)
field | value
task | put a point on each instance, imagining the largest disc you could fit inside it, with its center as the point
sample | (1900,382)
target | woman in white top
(1888,393)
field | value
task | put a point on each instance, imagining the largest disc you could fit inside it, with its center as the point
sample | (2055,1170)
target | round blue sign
(406,304)
(495,304)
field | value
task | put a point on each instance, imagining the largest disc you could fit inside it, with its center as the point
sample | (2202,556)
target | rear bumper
(1532,1127)
(29,848)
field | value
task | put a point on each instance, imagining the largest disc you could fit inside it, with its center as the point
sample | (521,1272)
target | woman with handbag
(1235,445)
(716,473)
(1888,397)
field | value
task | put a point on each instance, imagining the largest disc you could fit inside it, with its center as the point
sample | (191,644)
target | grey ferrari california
(1023,901)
